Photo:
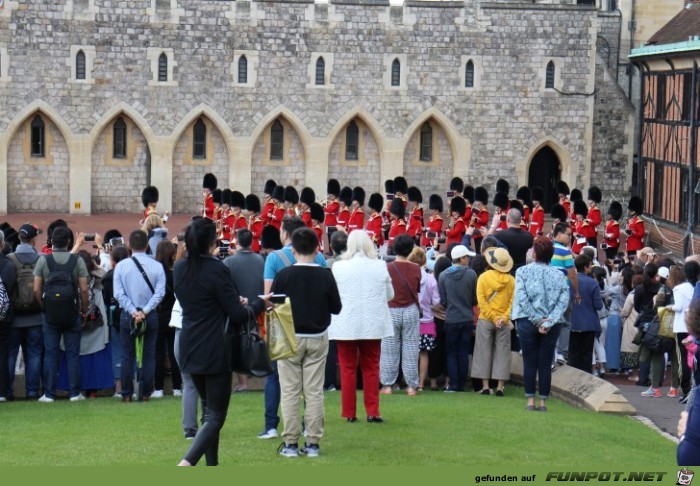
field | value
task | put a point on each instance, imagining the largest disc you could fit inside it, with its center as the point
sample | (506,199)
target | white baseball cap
(663,272)
(460,251)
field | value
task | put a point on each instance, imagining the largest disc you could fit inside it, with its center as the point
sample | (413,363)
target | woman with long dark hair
(208,298)
(645,306)
(165,254)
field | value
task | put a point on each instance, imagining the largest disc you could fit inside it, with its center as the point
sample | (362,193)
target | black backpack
(60,297)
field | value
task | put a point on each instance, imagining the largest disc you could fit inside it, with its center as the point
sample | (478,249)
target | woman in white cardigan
(365,290)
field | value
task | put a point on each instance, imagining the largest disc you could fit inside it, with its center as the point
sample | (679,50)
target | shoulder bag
(249,354)
(413,295)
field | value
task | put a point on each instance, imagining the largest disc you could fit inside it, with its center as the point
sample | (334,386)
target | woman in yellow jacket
(494,291)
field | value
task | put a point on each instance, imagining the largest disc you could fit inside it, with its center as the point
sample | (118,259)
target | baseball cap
(29,231)
(460,251)
(663,272)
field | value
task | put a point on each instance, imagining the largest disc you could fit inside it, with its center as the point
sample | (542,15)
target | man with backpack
(7,284)
(60,284)
(27,316)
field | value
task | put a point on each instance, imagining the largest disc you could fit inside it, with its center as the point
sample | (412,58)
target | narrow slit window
(660,97)
(320,72)
(396,73)
(199,135)
(243,70)
(119,142)
(549,81)
(352,138)
(277,141)
(426,143)
(687,96)
(469,75)
(80,65)
(38,137)
(163,68)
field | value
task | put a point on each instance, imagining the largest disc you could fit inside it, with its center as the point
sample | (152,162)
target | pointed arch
(450,130)
(127,110)
(46,110)
(291,118)
(366,118)
(567,173)
(204,110)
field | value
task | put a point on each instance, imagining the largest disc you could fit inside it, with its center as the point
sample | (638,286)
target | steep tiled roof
(681,27)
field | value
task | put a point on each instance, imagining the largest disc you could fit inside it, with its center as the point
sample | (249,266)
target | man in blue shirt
(564,261)
(276,261)
(138,295)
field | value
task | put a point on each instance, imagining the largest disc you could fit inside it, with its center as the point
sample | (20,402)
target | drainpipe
(692,160)
(632,26)
(640,107)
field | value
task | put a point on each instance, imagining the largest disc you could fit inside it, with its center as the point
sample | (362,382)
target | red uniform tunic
(482,221)
(415,224)
(636,234)
(398,227)
(467,217)
(357,220)
(374,229)
(306,217)
(500,221)
(209,207)
(277,216)
(256,225)
(537,221)
(228,223)
(582,232)
(147,212)
(434,226)
(241,222)
(455,234)
(594,217)
(331,209)
(564,201)
(526,215)
(612,234)
(268,212)
(343,218)
(319,234)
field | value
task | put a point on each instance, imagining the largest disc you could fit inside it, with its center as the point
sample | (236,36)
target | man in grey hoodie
(457,286)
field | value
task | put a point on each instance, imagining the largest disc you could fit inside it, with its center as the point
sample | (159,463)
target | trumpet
(204,204)
(323,201)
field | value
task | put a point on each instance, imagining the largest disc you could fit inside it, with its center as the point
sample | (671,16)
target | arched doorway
(545,171)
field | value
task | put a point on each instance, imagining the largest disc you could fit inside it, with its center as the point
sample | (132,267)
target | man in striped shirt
(564,261)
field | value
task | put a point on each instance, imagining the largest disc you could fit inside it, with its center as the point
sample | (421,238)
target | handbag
(413,295)
(94,317)
(654,341)
(666,318)
(279,332)
(249,355)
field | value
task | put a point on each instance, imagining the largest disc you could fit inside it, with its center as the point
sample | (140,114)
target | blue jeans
(116,340)
(32,341)
(458,337)
(538,352)
(272,399)
(52,352)
(148,366)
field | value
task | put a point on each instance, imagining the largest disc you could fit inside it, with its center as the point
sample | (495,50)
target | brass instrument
(204,203)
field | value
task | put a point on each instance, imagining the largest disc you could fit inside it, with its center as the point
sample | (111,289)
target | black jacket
(8,274)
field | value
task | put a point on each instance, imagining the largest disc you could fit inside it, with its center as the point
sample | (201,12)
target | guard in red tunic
(401,189)
(332,205)
(502,185)
(216,199)
(501,205)
(480,215)
(435,221)
(306,199)
(523,195)
(345,199)
(612,230)
(386,215)
(576,195)
(397,210)
(583,231)
(469,198)
(456,231)
(255,222)
(374,223)
(537,216)
(415,220)
(278,212)
(228,218)
(291,201)
(563,191)
(237,204)
(317,216)
(357,216)
(635,227)
(149,198)
(594,217)
(559,215)
(269,208)
(456,188)
(208,187)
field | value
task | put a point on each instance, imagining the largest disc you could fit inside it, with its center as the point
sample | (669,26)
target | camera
(90,237)
(503,217)
(441,241)
(450,194)
(116,241)
(181,237)
(223,252)
(431,234)
(389,197)
(604,246)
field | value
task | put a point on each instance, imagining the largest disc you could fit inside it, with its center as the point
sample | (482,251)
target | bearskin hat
(209,181)
(308,196)
(502,186)
(278,193)
(149,195)
(269,186)
(252,203)
(559,212)
(358,194)
(563,188)
(458,205)
(435,202)
(389,186)
(635,205)
(237,199)
(457,184)
(333,187)
(317,212)
(594,194)
(580,208)
(414,194)
(468,193)
(291,195)
(346,196)
(270,238)
(400,185)
(226,197)
(615,210)
(537,194)
(501,200)
(576,195)
(524,194)
(482,195)
(376,202)
(216,196)
(516,204)
(397,208)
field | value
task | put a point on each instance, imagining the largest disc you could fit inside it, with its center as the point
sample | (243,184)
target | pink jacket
(429,295)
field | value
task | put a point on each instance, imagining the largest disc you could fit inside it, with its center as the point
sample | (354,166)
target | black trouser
(581,350)
(5,331)
(331,366)
(437,358)
(215,393)
(683,358)
(166,342)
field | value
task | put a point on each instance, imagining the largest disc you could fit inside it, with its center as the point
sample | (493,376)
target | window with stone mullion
(396,73)
(163,68)
(426,143)
(199,147)
(320,72)
(38,137)
(80,65)
(119,139)
(352,139)
(277,141)
(242,70)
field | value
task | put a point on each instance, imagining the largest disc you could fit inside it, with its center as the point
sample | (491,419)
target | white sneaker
(117,395)
(77,398)
(177,393)
(3,399)
(157,394)
(268,434)
(45,399)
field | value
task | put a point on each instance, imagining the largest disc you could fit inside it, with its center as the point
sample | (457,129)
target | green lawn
(431,429)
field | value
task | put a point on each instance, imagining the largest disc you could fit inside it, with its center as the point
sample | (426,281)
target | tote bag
(279,333)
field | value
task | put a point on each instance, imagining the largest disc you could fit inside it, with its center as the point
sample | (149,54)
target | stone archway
(545,171)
